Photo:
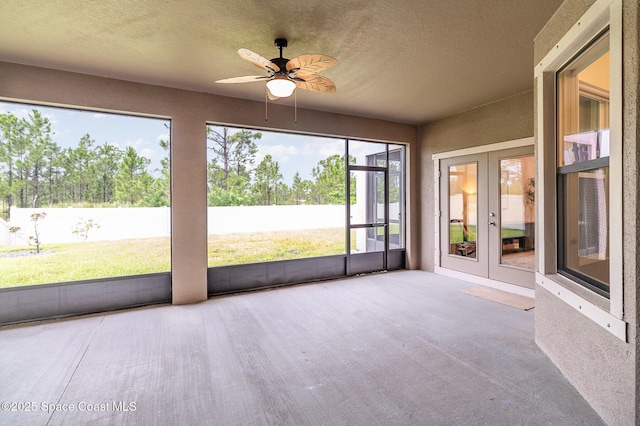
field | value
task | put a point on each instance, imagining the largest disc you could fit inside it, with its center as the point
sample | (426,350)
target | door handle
(491,221)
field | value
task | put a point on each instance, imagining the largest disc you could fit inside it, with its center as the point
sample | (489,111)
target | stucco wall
(631,194)
(504,120)
(603,368)
(566,15)
(189,112)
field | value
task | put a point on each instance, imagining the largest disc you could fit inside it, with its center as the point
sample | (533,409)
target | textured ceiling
(409,61)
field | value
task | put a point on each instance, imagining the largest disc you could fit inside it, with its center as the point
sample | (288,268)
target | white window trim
(601,14)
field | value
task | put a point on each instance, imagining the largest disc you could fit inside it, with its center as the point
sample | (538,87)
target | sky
(69,126)
(301,153)
(294,153)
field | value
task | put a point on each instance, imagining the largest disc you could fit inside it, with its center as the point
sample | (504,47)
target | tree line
(234,179)
(35,171)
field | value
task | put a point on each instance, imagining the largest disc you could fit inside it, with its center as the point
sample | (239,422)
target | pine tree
(329,185)
(132,181)
(104,168)
(12,141)
(39,140)
(267,179)
(229,170)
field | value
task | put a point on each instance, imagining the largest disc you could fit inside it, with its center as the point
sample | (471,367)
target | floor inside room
(404,347)
(521,259)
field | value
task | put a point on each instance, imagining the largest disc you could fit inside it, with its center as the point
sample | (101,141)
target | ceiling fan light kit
(281,86)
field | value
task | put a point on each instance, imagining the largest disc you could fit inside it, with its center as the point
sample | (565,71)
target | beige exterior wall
(505,120)
(602,367)
(189,113)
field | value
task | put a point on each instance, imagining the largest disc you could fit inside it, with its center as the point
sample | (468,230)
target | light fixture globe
(280,86)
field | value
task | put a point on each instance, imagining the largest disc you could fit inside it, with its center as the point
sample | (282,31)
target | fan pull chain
(295,107)
(266,103)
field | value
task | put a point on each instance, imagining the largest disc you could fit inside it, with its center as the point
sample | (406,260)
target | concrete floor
(399,348)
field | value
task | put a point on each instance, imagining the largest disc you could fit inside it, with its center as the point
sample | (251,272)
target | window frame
(608,313)
(565,109)
(564,171)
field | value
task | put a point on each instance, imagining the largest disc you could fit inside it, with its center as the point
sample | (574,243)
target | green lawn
(79,261)
(456,233)
(90,260)
(506,232)
(261,247)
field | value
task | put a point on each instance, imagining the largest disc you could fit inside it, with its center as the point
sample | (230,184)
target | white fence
(125,223)
(230,220)
(5,235)
(513,213)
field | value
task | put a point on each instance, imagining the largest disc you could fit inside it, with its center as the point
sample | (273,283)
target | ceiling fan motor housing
(281,62)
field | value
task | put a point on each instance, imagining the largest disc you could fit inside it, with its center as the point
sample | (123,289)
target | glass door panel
(463,215)
(396,197)
(396,205)
(367,203)
(463,209)
(517,212)
(367,240)
(512,216)
(367,217)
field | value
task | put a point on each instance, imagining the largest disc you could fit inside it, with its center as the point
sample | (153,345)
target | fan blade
(258,60)
(244,79)
(316,83)
(310,64)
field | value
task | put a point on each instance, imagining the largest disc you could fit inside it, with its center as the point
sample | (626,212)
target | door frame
(376,260)
(479,263)
(437,173)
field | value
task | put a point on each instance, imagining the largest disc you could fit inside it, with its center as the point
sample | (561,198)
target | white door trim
(481,149)
(487,282)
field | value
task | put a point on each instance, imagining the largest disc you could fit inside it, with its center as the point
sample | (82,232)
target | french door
(487,215)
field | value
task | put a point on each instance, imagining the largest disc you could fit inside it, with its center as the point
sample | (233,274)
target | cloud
(163,137)
(136,143)
(330,148)
(280,153)
(147,153)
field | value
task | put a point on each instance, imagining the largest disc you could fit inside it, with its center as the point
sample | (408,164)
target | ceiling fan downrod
(281,43)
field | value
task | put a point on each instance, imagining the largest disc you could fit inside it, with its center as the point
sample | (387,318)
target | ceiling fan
(284,75)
